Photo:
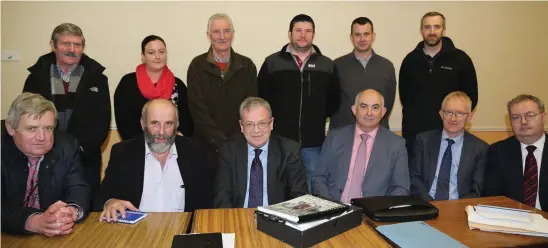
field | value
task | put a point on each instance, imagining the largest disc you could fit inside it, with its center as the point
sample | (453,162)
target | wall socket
(10,55)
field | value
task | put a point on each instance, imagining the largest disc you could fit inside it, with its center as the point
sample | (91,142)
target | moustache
(70,54)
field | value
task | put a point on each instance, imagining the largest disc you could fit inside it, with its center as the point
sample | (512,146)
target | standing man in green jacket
(363,69)
(218,81)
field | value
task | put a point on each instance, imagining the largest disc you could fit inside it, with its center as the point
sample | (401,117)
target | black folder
(396,208)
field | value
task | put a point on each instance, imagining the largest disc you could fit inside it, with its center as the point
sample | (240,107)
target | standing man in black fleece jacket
(434,69)
(300,86)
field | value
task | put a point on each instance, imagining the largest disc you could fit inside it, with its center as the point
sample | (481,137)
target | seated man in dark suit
(43,186)
(257,168)
(362,159)
(159,171)
(448,164)
(517,167)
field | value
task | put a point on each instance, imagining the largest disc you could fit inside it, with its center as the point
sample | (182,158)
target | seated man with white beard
(158,171)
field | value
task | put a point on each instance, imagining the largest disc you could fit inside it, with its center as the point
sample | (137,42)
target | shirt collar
(172,150)
(57,67)
(358,132)
(251,149)
(367,58)
(537,144)
(457,139)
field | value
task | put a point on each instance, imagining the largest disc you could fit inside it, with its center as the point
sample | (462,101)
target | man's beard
(298,48)
(433,43)
(155,147)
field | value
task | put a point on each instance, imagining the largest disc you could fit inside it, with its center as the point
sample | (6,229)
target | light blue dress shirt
(456,150)
(263,157)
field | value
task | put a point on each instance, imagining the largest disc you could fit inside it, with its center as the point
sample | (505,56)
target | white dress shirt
(163,189)
(538,156)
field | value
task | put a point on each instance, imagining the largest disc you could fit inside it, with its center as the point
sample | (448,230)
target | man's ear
(52,45)
(354,110)
(9,128)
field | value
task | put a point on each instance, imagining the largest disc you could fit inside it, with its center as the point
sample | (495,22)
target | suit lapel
(136,164)
(433,146)
(515,169)
(273,165)
(543,177)
(377,152)
(465,161)
(347,144)
(241,169)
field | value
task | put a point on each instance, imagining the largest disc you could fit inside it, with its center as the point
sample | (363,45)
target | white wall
(507,41)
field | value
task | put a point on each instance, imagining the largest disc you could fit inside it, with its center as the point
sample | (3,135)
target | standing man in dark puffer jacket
(431,71)
(300,85)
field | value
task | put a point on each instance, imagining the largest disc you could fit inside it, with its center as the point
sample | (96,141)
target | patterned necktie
(530,178)
(356,181)
(256,182)
(31,195)
(444,174)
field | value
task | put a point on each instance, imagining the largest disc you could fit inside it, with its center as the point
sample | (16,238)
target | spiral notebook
(303,208)
(132,217)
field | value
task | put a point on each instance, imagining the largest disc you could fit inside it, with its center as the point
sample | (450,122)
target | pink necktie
(356,181)
(31,197)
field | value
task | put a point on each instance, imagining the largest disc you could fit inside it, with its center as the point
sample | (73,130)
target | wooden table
(241,221)
(155,230)
(453,221)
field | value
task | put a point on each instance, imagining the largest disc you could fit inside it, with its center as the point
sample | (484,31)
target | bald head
(159,105)
(368,94)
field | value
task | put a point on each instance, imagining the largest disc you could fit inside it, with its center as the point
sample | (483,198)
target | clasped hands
(57,220)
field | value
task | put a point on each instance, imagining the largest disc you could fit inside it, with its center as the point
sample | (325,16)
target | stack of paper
(506,220)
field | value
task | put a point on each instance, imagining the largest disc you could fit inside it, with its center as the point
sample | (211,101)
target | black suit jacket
(504,172)
(424,163)
(90,121)
(286,174)
(60,178)
(125,174)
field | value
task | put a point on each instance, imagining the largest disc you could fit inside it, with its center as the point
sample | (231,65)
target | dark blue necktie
(444,174)
(256,182)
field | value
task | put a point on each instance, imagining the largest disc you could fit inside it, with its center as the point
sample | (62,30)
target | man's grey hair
(218,16)
(32,104)
(67,29)
(144,112)
(457,94)
(356,101)
(253,102)
(524,97)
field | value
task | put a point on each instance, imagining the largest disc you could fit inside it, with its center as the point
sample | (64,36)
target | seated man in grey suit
(257,168)
(448,164)
(362,159)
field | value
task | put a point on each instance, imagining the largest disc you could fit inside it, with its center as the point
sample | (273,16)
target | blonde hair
(458,94)
(32,104)
(252,102)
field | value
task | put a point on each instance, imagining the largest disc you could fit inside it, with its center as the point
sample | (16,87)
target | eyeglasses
(528,117)
(451,113)
(262,125)
(68,44)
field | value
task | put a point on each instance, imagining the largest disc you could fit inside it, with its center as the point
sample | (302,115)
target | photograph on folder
(506,220)
(303,208)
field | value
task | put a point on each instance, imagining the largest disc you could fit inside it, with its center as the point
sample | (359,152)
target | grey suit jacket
(387,171)
(425,161)
(286,173)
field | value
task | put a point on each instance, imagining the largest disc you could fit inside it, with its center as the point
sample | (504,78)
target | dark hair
(361,21)
(431,14)
(150,38)
(301,18)
(524,97)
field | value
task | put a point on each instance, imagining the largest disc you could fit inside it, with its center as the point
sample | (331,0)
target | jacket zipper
(301,108)
(309,85)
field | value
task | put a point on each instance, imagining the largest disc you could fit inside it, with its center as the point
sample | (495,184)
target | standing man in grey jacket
(363,69)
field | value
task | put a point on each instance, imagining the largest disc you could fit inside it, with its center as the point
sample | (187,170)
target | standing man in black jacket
(43,188)
(431,71)
(300,86)
(75,83)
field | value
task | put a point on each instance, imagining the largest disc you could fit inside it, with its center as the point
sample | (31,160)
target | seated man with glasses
(258,168)
(516,166)
(43,186)
(448,163)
